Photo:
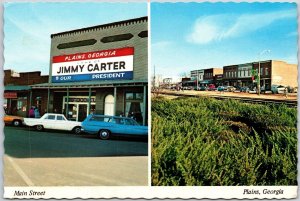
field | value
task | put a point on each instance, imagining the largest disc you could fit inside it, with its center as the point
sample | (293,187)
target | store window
(22,104)
(134,106)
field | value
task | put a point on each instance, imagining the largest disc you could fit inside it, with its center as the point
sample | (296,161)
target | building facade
(197,74)
(271,72)
(17,91)
(101,69)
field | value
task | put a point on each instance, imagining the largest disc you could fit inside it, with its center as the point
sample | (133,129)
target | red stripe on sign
(94,55)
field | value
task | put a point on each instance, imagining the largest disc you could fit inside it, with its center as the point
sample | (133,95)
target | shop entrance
(78,107)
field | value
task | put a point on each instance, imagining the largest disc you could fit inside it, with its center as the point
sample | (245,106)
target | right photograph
(224,94)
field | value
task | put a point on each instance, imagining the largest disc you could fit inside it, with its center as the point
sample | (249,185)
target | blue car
(104,126)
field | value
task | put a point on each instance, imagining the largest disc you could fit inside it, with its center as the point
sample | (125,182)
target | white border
(183,192)
(137,192)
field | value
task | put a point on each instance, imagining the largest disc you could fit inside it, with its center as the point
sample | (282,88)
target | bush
(204,141)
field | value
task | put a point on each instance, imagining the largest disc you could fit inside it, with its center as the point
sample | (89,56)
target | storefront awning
(206,82)
(16,88)
(92,84)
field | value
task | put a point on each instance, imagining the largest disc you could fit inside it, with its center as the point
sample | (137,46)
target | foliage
(204,141)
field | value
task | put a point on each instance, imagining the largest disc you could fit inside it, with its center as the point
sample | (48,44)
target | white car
(53,121)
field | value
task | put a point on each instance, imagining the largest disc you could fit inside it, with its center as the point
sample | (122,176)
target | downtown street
(55,158)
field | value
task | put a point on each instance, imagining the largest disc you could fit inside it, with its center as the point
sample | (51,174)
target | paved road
(55,158)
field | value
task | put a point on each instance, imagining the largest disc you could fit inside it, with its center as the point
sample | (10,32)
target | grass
(204,141)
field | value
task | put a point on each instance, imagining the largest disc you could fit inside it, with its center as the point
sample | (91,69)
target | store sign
(10,95)
(114,64)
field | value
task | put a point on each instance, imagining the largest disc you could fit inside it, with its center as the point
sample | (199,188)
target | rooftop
(103,26)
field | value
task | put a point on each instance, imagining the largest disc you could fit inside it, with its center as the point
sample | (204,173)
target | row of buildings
(272,72)
(101,69)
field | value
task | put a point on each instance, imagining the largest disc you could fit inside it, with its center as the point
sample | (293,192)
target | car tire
(16,123)
(77,130)
(104,134)
(39,127)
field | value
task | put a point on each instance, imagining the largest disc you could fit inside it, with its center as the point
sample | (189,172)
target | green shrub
(204,141)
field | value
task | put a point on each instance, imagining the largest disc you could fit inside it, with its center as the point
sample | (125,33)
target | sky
(28,26)
(189,36)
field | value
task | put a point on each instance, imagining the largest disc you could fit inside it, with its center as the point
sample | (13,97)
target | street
(54,158)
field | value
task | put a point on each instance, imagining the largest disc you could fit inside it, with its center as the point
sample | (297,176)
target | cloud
(161,45)
(218,27)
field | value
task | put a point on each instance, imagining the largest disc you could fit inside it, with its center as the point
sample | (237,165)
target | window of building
(143,34)
(261,71)
(134,106)
(116,38)
(266,71)
(22,104)
(77,44)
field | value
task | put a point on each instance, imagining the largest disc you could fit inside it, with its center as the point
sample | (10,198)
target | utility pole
(154,78)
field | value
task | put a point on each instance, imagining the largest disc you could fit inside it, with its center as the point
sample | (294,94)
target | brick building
(18,92)
(272,72)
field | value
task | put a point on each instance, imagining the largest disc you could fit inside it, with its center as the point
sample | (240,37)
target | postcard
(150,100)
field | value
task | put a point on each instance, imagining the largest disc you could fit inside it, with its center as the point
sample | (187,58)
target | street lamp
(258,74)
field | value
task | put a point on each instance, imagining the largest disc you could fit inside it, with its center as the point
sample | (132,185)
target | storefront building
(17,91)
(101,69)
(271,72)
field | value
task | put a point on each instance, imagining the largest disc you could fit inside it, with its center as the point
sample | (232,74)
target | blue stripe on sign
(96,76)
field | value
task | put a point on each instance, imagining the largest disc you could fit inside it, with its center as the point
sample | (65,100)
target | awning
(16,88)
(92,84)
(206,82)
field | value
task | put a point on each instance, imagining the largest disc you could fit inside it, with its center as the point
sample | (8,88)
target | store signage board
(113,64)
(10,95)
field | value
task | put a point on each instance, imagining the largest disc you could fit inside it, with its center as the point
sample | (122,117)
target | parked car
(104,126)
(202,88)
(13,120)
(245,89)
(211,87)
(277,89)
(292,89)
(230,88)
(53,121)
(221,88)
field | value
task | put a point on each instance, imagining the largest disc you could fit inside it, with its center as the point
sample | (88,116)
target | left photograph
(75,94)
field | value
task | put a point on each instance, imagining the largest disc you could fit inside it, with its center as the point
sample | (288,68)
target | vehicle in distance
(220,88)
(13,120)
(104,126)
(53,121)
(277,89)
(212,87)
(230,89)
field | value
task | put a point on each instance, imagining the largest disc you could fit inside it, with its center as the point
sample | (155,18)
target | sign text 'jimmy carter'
(114,64)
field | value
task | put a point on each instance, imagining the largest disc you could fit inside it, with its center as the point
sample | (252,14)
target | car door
(61,123)
(130,127)
(49,121)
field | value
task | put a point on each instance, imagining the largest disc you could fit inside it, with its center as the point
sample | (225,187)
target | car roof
(53,114)
(109,116)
